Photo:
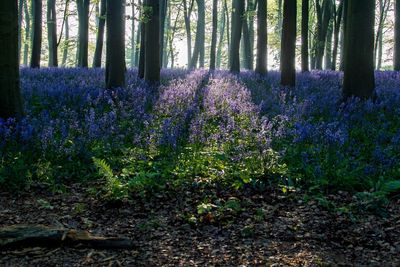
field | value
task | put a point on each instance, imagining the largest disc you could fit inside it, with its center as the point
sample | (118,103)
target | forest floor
(209,227)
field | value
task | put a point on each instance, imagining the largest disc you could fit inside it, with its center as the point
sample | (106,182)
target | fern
(104,168)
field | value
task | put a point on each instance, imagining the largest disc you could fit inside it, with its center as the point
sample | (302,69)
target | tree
(115,54)
(214,35)
(20,14)
(397,37)
(237,17)
(199,47)
(248,36)
(163,16)
(337,22)
(100,35)
(324,15)
(262,35)
(10,100)
(52,32)
(359,80)
(83,32)
(288,44)
(66,38)
(304,35)
(221,36)
(27,32)
(37,33)
(152,42)
(187,12)
(133,48)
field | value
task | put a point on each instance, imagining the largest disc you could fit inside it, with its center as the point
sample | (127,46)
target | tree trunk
(167,34)
(27,32)
(100,35)
(152,44)
(83,40)
(66,38)
(359,78)
(304,35)
(338,21)
(20,13)
(246,45)
(115,61)
(397,37)
(10,100)
(288,46)
(142,41)
(345,11)
(237,19)
(37,33)
(138,36)
(52,32)
(163,16)
(323,21)
(187,13)
(221,38)
(328,46)
(198,51)
(262,37)
(214,35)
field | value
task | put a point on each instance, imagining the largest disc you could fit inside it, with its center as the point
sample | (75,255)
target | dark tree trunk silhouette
(323,13)
(52,32)
(359,78)
(288,46)
(10,100)
(100,35)
(262,35)
(199,47)
(152,43)
(163,17)
(83,32)
(214,35)
(338,21)
(305,65)
(237,19)
(222,26)
(66,38)
(397,37)
(138,36)
(27,32)
(20,15)
(37,33)
(115,54)
(345,10)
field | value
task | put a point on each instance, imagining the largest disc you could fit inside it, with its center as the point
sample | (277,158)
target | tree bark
(187,13)
(338,21)
(359,80)
(100,35)
(304,35)
(237,20)
(27,32)
(328,46)
(163,16)
(152,43)
(10,100)
(115,61)
(66,38)
(397,37)
(214,35)
(262,37)
(138,36)
(37,33)
(221,38)
(288,46)
(20,14)
(198,51)
(83,32)
(52,32)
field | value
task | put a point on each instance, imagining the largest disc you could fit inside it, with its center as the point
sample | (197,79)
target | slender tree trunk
(338,22)
(214,35)
(221,38)
(163,16)
(66,38)
(142,56)
(345,11)
(323,17)
(83,40)
(328,46)
(115,61)
(246,45)
(262,37)
(397,37)
(228,23)
(100,35)
(198,51)
(37,33)
(237,20)
(288,46)
(10,100)
(187,14)
(138,35)
(152,43)
(167,33)
(20,14)
(52,32)
(359,80)
(132,55)
(304,35)
(27,32)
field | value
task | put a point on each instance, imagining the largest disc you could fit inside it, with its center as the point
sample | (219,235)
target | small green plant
(44,204)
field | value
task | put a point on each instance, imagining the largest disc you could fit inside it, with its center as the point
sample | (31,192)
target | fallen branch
(42,236)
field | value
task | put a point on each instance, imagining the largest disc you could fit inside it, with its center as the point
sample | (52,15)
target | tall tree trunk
(262,37)
(133,49)
(337,21)
(246,45)
(52,32)
(214,35)
(10,100)
(20,14)
(304,35)
(323,20)
(345,11)
(328,46)
(100,35)
(152,43)
(397,37)
(199,47)
(221,38)
(66,38)
(383,9)
(187,13)
(359,78)
(142,56)
(237,20)
(167,33)
(163,16)
(27,32)
(138,36)
(83,32)
(288,46)
(115,54)
(37,33)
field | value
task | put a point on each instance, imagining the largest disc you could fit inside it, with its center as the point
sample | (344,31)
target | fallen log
(18,236)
